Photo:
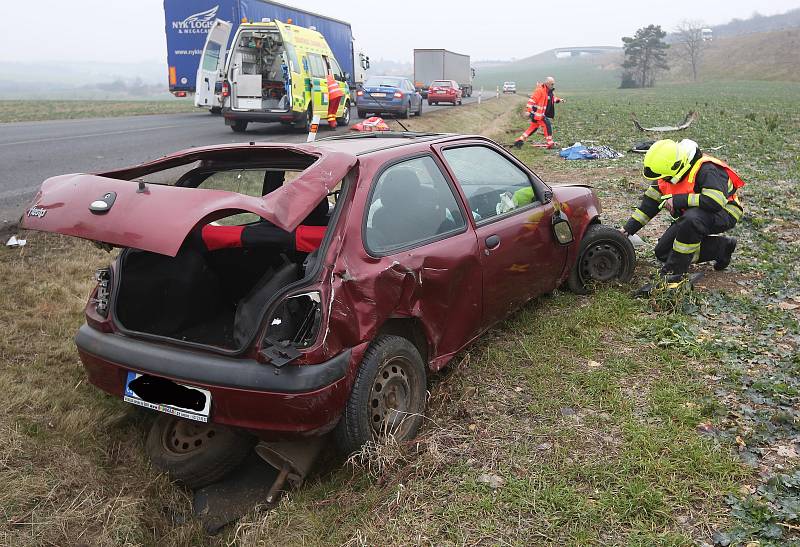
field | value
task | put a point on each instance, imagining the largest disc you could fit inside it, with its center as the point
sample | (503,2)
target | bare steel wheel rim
(603,261)
(391,397)
(184,437)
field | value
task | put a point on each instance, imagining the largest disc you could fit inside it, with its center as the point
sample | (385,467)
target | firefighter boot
(518,143)
(725,256)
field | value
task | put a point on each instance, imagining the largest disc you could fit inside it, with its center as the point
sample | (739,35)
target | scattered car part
(690,118)
(193,453)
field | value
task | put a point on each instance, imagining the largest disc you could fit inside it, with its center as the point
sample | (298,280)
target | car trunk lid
(157,218)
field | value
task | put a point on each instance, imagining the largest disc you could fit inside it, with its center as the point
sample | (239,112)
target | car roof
(360,144)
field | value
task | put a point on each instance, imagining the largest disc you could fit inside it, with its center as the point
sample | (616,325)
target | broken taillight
(295,324)
(103,292)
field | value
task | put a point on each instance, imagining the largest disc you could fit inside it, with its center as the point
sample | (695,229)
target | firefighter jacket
(537,103)
(552,99)
(710,184)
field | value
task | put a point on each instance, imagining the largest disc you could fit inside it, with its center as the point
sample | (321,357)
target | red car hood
(158,218)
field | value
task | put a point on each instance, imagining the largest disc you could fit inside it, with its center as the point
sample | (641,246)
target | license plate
(441,92)
(164,395)
(378,94)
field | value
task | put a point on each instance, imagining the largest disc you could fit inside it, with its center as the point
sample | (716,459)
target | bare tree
(689,39)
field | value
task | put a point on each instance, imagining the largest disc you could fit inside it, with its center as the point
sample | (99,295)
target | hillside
(773,56)
(759,23)
(572,73)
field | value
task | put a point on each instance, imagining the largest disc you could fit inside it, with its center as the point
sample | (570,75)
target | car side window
(492,184)
(410,203)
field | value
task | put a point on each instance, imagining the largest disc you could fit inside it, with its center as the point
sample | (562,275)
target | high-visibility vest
(334,91)
(686,184)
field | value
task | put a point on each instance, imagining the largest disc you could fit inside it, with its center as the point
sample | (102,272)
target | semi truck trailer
(440,64)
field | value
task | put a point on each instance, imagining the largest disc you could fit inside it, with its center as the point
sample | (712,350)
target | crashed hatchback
(290,290)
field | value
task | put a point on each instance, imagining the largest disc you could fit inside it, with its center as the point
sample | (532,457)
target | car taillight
(398,95)
(226,89)
(294,324)
(359,93)
(180,93)
(103,278)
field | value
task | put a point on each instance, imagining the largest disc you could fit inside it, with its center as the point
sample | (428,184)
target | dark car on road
(388,95)
(288,290)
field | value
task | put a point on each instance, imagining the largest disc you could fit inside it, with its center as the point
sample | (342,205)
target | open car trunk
(169,282)
(207,298)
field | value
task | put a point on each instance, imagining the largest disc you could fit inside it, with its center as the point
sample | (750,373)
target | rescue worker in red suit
(540,109)
(335,94)
(700,192)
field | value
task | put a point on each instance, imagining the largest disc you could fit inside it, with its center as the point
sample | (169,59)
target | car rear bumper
(388,106)
(446,97)
(264,117)
(302,399)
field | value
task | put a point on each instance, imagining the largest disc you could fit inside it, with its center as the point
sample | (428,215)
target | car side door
(512,213)
(424,251)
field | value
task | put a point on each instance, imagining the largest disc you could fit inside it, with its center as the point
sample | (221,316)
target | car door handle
(492,241)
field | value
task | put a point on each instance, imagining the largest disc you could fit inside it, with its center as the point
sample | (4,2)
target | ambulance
(275,72)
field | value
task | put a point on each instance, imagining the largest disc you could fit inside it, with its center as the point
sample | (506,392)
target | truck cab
(277,72)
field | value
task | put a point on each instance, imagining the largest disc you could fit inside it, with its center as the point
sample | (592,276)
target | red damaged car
(296,289)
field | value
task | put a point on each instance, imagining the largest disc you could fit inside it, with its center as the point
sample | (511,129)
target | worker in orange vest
(335,95)
(540,109)
(700,192)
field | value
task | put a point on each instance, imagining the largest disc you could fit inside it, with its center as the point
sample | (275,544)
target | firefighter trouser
(536,123)
(690,239)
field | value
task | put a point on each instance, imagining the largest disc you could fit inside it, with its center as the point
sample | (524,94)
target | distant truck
(440,64)
(187,25)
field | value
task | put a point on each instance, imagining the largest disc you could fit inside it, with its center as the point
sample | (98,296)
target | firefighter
(541,110)
(700,192)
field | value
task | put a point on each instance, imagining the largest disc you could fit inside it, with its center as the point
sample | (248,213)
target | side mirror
(346,77)
(562,230)
(365,62)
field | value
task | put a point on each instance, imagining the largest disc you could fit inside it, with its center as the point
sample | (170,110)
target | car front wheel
(344,121)
(605,255)
(193,453)
(388,396)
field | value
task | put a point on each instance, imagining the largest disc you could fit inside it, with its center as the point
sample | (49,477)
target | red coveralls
(537,105)
(335,95)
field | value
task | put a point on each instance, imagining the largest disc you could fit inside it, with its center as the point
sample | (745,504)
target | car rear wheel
(193,453)
(388,396)
(239,126)
(419,109)
(605,255)
(406,112)
(430,103)
(344,121)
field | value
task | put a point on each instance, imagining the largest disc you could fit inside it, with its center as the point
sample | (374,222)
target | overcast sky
(133,30)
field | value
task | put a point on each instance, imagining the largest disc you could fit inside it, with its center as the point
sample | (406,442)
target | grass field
(28,111)
(603,420)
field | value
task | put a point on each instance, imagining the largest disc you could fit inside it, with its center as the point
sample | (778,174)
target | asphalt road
(30,152)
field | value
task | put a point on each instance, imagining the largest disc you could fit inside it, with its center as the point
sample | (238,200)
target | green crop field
(602,419)
(27,111)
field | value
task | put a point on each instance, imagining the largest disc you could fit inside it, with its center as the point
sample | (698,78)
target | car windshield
(383,82)
(441,83)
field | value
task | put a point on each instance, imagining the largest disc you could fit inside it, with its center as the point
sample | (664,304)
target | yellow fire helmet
(667,159)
